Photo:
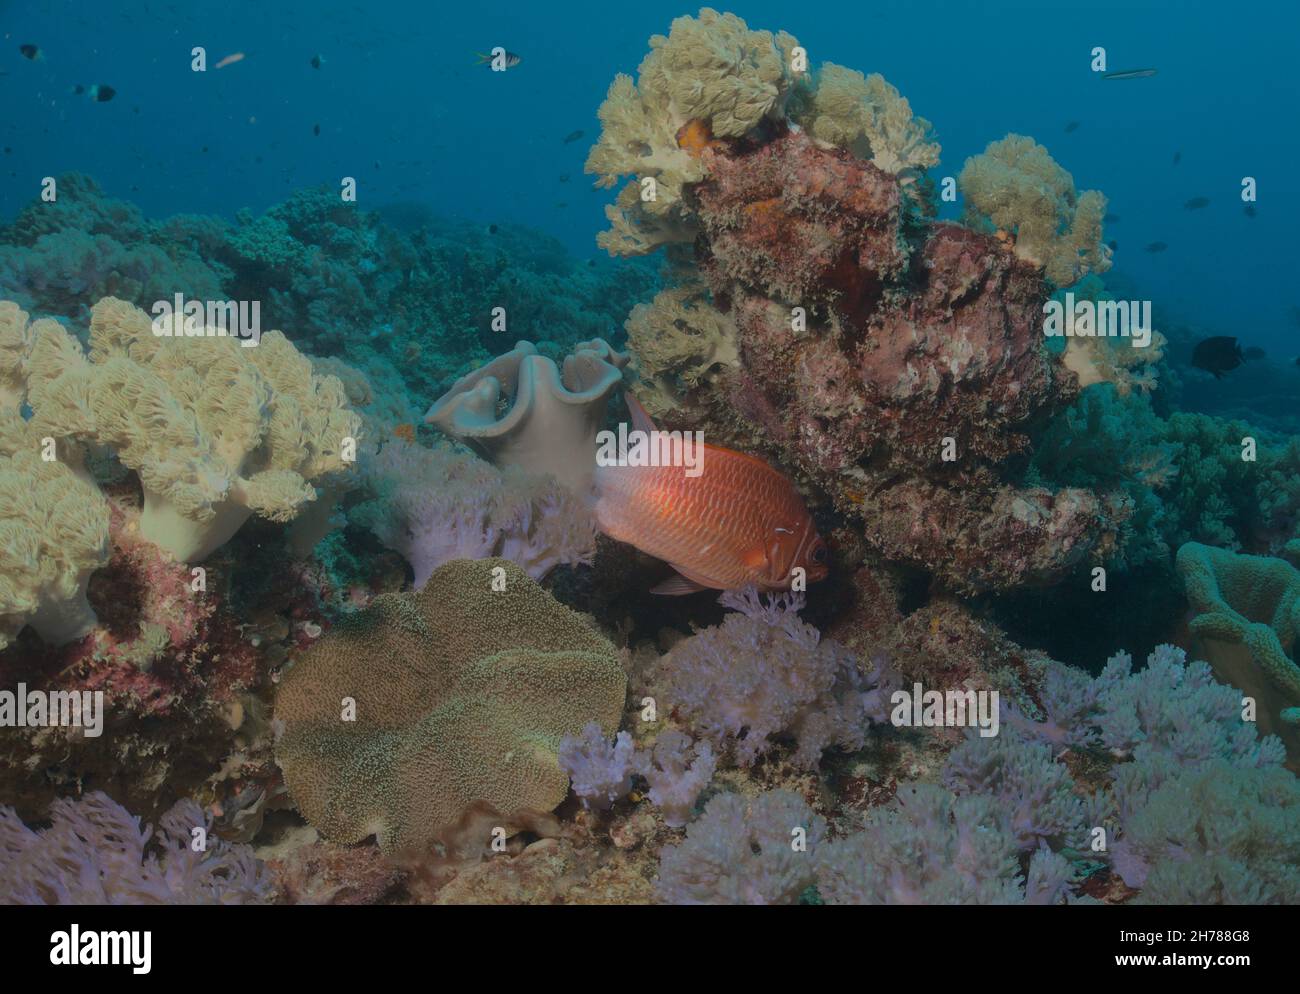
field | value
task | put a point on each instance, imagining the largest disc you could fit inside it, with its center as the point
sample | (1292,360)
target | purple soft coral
(764,674)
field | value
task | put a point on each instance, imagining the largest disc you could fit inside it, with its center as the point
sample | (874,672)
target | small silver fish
(1129,74)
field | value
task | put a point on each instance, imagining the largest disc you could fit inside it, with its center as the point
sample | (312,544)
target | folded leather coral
(1247,618)
(462,695)
(216,432)
(552,418)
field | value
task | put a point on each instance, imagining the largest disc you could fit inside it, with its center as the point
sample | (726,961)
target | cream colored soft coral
(1018,188)
(870,118)
(53,535)
(680,343)
(711,73)
(215,432)
(16,337)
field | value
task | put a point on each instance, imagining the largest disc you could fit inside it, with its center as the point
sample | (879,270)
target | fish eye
(819,554)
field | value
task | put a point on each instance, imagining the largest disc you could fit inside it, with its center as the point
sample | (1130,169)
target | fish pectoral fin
(756,558)
(640,419)
(677,586)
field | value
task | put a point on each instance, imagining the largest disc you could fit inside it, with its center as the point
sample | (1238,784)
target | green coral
(1247,617)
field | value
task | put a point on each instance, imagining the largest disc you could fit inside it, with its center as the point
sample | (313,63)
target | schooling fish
(1072,126)
(512,59)
(30,52)
(573,136)
(1129,74)
(1157,247)
(1217,355)
(317,61)
(1249,210)
(1196,203)
(739,522)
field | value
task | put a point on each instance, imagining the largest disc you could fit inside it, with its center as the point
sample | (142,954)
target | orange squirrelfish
(739,522)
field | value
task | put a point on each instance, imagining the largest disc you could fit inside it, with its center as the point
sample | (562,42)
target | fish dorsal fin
(640,419)
(677,586)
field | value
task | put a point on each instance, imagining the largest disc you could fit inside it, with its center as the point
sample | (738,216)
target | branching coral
(435,505)
(95,852)
(462,693)
(551,422)
(53,535)
(601,773)
(676,771)
(216,432)
(1018,188)
(867,116)
(757,850)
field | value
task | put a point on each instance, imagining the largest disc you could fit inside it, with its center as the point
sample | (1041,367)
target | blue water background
(402,108)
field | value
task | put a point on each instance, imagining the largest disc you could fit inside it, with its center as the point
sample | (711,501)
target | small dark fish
(315,129)
(1217,355)
(317,61)
(1178,157)
(1249,210)
(1111,219)
(205,148)
(1129,74)
(1297,360)
(1196,203)
(564,177)
(30,52)
(1157,247)
(492,229)
(1295,316)
(8,150)
(100,93)
(1114,245)
(573,136)
(592,264)
(1072,126)
(512,59)
(1254,353)
(561,204)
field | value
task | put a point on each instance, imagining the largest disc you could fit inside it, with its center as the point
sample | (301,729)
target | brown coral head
(420,707)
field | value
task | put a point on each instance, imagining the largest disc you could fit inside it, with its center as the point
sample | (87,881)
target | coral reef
(53,535)
(1018,188)
(435,505)
(95,852)
(458,695)
(216,432)
(931,847)
(710,77)
(762,675)
(867,116)
(744,851)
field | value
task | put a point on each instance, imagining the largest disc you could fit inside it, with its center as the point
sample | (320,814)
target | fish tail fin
(482,59)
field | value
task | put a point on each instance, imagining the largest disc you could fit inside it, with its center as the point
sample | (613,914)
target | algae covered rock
(426,704)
